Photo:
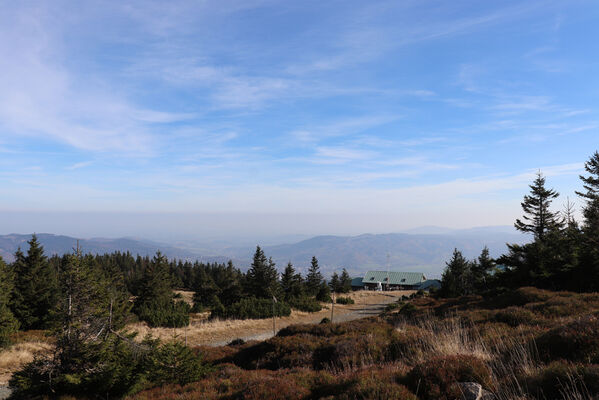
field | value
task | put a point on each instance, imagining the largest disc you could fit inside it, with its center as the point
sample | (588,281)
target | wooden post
(274,328)
(332,305)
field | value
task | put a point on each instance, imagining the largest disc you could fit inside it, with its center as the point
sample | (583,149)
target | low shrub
(306,304)
(350,351)
(514,316)
(437,378)
(278,352)
(114,367)
(408,310)
(560,377)
(171,314)
(392,306)
(252,308)
(345,300)
(376,384)
(576,341)
(325,320)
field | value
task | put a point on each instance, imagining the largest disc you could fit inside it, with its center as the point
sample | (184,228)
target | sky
(251,118)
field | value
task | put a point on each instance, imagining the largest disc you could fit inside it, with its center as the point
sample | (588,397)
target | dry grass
(202,331)
(13,358)
(186,296)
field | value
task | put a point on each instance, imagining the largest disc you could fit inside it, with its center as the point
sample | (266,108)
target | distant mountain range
(58,244)
(423,249)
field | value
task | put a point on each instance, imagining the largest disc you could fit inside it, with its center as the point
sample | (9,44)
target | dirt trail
(349,313)
(204,332)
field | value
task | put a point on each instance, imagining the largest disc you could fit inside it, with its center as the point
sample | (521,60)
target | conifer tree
(291,283)
(8,322)
(262,279)
(335,283)
(155,303)
(204,290)
(455,280)
(314,278)
(345,281)
(589,259)
(480,270)
(36,288)
(538,218)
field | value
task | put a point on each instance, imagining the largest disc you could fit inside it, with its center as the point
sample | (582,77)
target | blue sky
(334,117)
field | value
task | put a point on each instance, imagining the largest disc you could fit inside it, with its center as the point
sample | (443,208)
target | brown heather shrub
(519,297)
(279,352)
(576,341)
(515,316)
(350,351)
(376,384)
(437,378)
(561,378)
(562,306)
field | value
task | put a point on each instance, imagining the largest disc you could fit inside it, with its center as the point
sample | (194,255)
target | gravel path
(360,311)
(4,392)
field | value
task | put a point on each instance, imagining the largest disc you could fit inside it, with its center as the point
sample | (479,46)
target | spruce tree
(538,218)
(345,281)
(8,322)
(455,280)
(291,283)
(481,270)
(314,278)
(589,258)
(36,288)
(155,303)
(204,290)
(335,283)
(262,279)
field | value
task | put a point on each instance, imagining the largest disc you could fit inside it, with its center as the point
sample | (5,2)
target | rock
(474,391)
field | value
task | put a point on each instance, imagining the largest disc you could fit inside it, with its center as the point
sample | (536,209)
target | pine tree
(538,218)
(589,258)
(314,278)
(456,276)
(262,279)
(8,322)
(205,290)
(345,281)
(36,288)
(291,283)
(155,303)
(481,269)
(335,283)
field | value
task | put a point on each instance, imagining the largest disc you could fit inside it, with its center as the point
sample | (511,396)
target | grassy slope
(526,343)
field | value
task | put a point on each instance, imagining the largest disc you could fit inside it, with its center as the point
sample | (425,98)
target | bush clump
(306,304)
(252,308)
(560,377)
(171,314)
(514,316)
(576,341)
(438,377)
(345,300)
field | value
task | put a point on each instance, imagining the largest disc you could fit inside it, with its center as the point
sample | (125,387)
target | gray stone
(474,391)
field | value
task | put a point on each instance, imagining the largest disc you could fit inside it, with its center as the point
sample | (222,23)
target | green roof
(395,278)
(357,282)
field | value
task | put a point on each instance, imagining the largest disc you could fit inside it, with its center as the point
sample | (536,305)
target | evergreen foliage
(345,282)
(538,218)
(335,283)
(36,288)
(314,278)
(8,323)
(456,276)
(155,303)
(253,308)
(324,293)
(291,284)
(262,279)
